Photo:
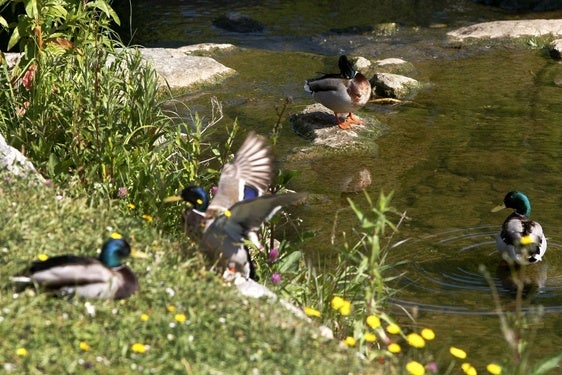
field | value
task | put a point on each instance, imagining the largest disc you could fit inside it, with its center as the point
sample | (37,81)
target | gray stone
(14,161)
(181,70)
(508,29)
(318,124)
(389,85)
(555,49)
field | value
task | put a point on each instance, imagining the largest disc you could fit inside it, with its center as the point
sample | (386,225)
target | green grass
(224,333)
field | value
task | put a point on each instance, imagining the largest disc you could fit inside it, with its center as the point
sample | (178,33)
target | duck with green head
(343,92)
(247,176)
(223,224)
(104,277)
(520,239)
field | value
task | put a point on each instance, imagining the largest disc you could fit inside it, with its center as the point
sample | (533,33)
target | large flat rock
(180,69)
(509,29)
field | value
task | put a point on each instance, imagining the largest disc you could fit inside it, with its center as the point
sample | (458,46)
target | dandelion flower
(337,302)
(393,329)
(22,352)
(415,368)
(394,348)
(456,352)
(180,318)
(345,310)
(144,317)
(310,311)
(494,369)
(468,369)
(349,341)
(428,334)
(370,337)
(84,346)
(131,206)
(138,348)
(171,308)
(415,340)
(373,321)
(42,257)
(147,218)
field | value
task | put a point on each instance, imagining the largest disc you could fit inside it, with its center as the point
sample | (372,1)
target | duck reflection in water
(531,279)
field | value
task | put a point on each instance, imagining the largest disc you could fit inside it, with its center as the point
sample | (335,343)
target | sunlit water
(487,122)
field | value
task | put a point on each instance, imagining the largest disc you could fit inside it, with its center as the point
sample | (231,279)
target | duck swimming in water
(520,239)
(343,92)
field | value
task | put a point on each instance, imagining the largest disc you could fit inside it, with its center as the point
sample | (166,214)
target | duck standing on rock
(344,92)
(98,278)
(221,226)
(520,239)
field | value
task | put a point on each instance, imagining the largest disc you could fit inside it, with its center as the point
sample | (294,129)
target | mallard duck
(345,92)
(100,278)
(247,176)
(520,239)
(225,239)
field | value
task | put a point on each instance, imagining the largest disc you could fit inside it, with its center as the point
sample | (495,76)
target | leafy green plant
(518,332)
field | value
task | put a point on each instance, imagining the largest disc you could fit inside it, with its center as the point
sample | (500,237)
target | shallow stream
(489,121)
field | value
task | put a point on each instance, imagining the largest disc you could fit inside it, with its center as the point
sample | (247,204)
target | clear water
(489,121)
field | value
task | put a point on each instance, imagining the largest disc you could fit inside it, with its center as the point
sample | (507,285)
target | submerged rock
(328,143)
(238,23)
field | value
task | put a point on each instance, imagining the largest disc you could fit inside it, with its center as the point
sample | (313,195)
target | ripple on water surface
(442,274)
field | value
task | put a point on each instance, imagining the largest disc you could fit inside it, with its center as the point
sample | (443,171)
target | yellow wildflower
(456,352)
(138,348)
(468,369)
(84,346)
(373,321)
(393,329)
(310,311)
(144,317)
(345,310)
(494,369)
(415,340)
(180,318)
(428,334)
(394,348)
(131,206)
(42,257)
(337,302)
(115,236)
(22,352)
(370,337)
(415,368)
(349,341)
(147,218)
(171,308)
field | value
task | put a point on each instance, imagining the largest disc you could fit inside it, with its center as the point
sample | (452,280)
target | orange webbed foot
(353,120)
(346,124)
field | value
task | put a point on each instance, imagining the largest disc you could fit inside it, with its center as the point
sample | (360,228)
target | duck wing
(249,174)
